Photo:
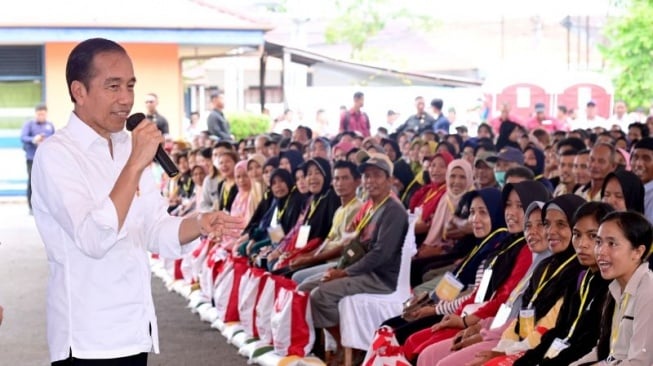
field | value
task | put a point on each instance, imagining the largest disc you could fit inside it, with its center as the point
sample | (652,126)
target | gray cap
(509,154)
(380,161)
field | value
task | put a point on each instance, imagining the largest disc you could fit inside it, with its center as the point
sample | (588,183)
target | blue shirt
(32,128)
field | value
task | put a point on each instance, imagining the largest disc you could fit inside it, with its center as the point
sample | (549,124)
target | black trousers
(135,360)
(29,183)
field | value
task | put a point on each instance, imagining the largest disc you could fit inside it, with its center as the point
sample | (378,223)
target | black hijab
(326,201)
(394,145)
(506,254)
(632,188)
(556,286)
(294,157)
(505,130)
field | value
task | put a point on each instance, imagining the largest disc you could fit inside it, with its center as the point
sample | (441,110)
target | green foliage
(629,53)
(245,124)
(358,20)
(19,94)
(12,123)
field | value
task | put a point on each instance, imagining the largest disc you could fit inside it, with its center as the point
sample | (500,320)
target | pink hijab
(448,203)
(626,156)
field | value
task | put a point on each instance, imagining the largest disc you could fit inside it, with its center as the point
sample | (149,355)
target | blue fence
(13,180)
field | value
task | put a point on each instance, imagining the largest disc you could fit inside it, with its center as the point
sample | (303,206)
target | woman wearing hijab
(279,218)
(509,134)
(227,189)
(425,200)
(624,191)
(578,325)
(315,220)
(290,160)
(544,296)
(255,169)
(489,226)
(502,273)
(534,160)
(460,350)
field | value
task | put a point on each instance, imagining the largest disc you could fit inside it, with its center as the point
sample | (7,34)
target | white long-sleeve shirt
(99,300)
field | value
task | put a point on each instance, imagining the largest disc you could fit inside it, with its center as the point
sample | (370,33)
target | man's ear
(78,91)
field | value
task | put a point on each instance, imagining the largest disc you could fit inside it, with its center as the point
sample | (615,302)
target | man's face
(359,102)
(620,109)
(484,175)
(319,150)
(419,105)
(566,169)
(641,161)
(591,112)
(218,101)
(600,162)
(634,134)
(151,103)
(41,116)
(376,182)
(300,135)
(581,169)
(344,183)
(109,98)
(259,146)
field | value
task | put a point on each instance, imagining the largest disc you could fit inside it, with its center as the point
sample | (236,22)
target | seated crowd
(532,246)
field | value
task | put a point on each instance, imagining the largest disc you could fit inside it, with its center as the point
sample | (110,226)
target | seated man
(346,180)
(371,262)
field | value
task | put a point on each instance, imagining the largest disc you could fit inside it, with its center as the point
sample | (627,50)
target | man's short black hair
(521,172)
(308,130)
(216,93)
(437,103)
(562,109)
(570,152)
(79,66)
(643,128)
(346,164)
(358,95)
(225,144)
(43,107)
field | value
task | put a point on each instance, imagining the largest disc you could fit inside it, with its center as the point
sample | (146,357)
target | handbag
(351,254)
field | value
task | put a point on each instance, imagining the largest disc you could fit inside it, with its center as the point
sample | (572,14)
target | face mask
(500,178)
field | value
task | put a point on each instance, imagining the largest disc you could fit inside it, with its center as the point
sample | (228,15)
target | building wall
(157,70)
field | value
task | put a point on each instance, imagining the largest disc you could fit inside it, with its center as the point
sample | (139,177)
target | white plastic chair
(362,314)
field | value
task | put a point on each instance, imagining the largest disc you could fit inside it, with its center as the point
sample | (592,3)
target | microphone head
(134,120)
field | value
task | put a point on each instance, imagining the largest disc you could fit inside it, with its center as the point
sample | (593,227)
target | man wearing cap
(419,121)
(371,262)
(507,158)
(592,119)
(484,170)
(541,120)
(641,161)
(216,121)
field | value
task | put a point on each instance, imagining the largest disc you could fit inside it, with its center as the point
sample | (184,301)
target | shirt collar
(633,283)
(648,186)
(85,136)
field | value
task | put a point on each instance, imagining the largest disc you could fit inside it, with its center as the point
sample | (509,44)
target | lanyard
(615,323)
(544,282)
(477,248)
(225,194)
(368,215)
(403,196)
(494,261)
(285,206)
(584,292)
(314,205)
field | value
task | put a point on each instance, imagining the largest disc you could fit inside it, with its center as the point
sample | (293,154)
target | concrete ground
(185,340)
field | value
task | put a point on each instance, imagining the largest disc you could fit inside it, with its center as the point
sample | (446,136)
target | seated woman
(506,339)
(534,159)
(290,160)
(314,221)
(459,180)
(487,218)
(623,190)
(226,189)
(278,218)
(190,204)
(181,186)
(502,272)
(622,245)
(578,326)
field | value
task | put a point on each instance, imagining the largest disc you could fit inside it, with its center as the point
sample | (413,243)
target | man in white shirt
(592,119)
(99,213)
(620,117)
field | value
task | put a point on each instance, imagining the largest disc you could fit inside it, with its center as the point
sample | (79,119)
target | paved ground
(185,340)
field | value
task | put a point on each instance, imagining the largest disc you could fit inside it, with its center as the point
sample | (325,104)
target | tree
(629,53)
(359,20)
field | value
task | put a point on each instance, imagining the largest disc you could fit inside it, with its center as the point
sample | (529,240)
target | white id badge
(482,288)
(556,347)
(502,316)
(449,287)
(302,236)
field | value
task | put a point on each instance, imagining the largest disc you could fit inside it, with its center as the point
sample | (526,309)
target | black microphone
(161,156)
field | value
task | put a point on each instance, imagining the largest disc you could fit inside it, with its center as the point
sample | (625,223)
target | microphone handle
(166,163)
